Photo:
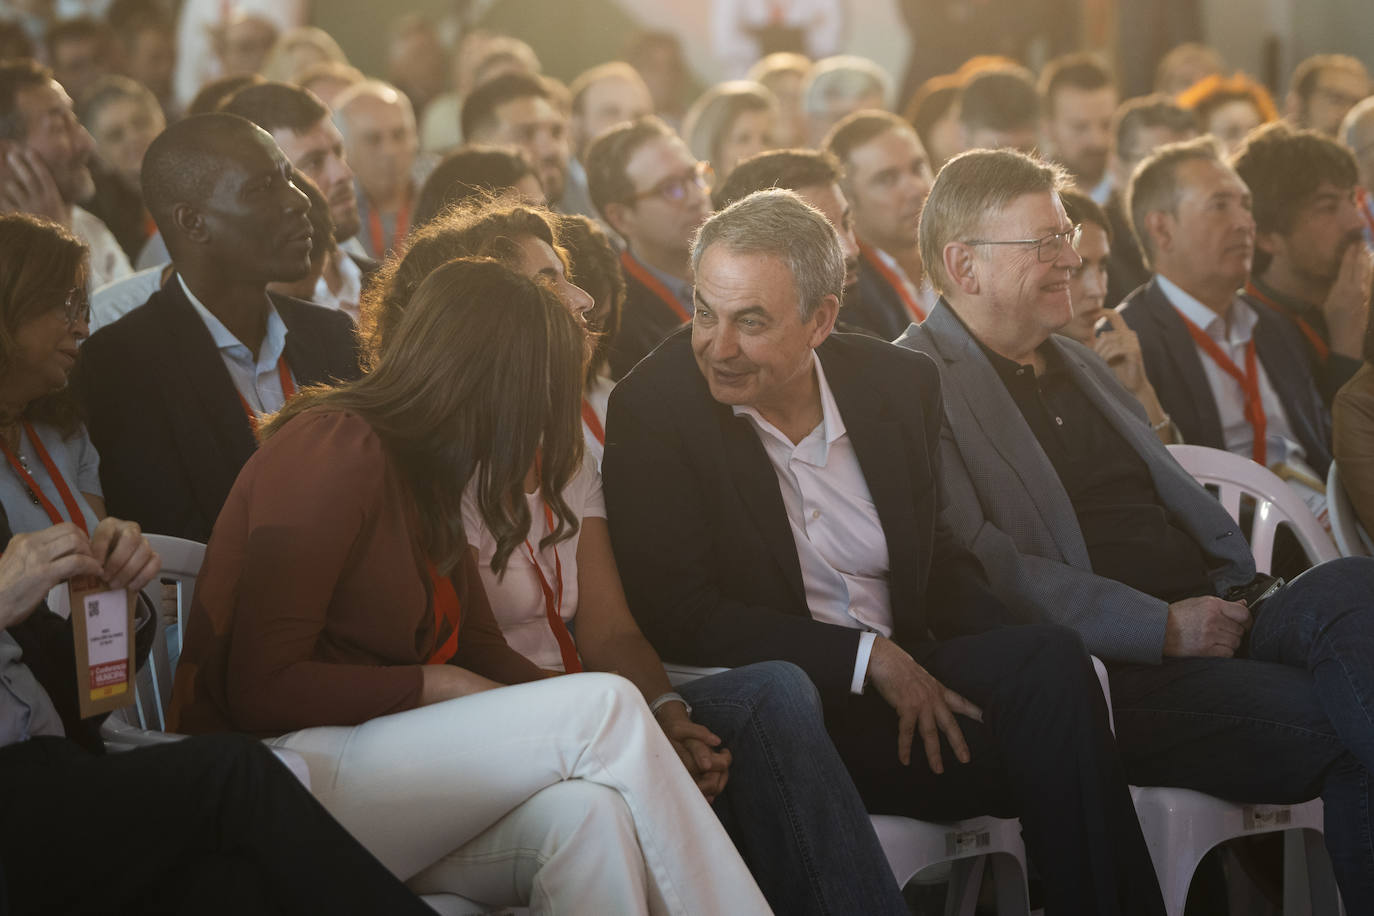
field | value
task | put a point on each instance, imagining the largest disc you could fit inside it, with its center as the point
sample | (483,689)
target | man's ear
(961,267)
(615,214)
(1159,226)
(824,320)
(190,223)
(1271,243)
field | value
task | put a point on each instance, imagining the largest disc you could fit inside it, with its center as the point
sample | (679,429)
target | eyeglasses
(76,308)
(1047,249)
(674,188)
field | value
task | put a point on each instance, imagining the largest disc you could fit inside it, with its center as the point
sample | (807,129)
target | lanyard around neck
(913,307)
(288,390)
(553,600)
(65,492)
(1248,381)
(1315,339)
(655,285)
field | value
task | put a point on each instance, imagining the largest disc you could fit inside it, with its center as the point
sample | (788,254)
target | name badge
(103,628)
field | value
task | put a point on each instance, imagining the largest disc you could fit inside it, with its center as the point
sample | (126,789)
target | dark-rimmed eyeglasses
(1047,249)
(674,188)
(76,307)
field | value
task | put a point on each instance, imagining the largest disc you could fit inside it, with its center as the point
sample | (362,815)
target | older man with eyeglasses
(651,190)
(1051,474)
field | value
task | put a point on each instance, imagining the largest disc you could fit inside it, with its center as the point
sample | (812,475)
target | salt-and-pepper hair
(778,222)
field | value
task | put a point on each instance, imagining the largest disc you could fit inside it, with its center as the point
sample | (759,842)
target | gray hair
(845,76)
(778,222)
(1155,187)
(1355,119)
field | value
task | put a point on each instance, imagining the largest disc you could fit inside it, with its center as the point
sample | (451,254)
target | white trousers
(561,795)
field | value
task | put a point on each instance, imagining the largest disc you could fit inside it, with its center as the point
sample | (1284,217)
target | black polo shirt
(1128,532)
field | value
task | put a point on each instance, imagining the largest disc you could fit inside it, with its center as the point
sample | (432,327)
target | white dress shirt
(349,294)
(108,261)
(840,541)
(257,380)
(1232,336)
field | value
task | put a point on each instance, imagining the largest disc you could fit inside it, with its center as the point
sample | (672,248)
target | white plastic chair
(1181,825)
(1351,538)
(1236,477)
(968,847)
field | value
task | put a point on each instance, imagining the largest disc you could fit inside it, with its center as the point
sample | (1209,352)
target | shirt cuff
(856,685)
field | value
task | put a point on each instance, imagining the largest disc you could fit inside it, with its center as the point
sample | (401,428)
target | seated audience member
(381,145)
(476,171)
(1229,108)
(839,86)
(1357,132)
(815,177)
(173,390)
(1186,66)
(216,92)
(480,56)
(416,60)
(783,73)
(1000,108)
(301,126)
(934,112)
(1311,263)
(1139,127)
(322,245)
(886,179)
(122,118)
(1352,416)
(342,612)
(81,50)
(1324,89)
(1231,375)
(654,193)
(327,80)
(518,109)
(1097,326)
(594,265)
(242,43)
(45,169)
(298,49)
(1049,471)
(730,122)
(769,491)
(766,715)
(602,97)
(1080,97)
(149,44)
(659,59)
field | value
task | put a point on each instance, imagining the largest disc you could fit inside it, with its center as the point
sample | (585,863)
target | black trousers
(206,825)
(1043,752)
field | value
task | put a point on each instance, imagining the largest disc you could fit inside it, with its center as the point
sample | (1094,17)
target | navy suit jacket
(644,323)
(875,305)
(1175,369)
(165,416)
(701,535)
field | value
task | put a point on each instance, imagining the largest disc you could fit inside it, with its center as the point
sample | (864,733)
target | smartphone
(1259,588)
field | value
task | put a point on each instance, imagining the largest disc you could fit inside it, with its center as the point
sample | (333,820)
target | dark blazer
(645,321)
(165,416)
(1175,369)
(701,535)
(875,305)
(1126,268)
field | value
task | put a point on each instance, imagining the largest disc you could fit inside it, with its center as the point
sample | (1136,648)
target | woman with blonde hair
(730,122)
(340,611)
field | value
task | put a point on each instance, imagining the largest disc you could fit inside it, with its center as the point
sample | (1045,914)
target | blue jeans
(790,805)
(1293,720)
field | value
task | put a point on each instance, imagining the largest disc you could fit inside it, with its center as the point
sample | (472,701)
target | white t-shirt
(517,599)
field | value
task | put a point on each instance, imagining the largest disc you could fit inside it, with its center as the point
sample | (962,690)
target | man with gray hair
(380,144)
(1357,132)
(771,495)
(1050,472)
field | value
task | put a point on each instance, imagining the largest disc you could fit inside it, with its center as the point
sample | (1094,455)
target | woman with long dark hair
(340,611)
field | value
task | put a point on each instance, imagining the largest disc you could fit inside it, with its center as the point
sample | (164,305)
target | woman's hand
(128,560)
(699,748)
(34,563)
(1119,348)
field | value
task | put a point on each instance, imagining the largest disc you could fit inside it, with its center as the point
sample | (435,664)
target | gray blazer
(1005,500)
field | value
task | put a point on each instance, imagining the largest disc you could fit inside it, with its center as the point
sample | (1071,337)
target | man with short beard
(44,166)
(1080,98)
(518,109)
(1310,264)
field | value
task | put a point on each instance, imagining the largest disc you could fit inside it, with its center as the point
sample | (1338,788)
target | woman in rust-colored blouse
(339,610)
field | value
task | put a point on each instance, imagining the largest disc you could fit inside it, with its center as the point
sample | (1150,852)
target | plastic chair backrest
(170,595)
(1234,477)
(1351,539)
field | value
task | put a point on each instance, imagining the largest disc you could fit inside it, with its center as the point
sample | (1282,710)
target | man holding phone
(1080,516)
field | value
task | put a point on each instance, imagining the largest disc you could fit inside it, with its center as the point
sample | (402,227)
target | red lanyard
(1248,381)
(593,422)
(446,609)
(374,227)
(890,275)
(1315,339)
(288,390)
(553,603)
(68,499)
(655,285)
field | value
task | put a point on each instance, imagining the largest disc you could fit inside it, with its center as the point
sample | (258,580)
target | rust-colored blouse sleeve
(316,542)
